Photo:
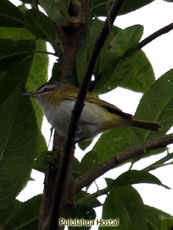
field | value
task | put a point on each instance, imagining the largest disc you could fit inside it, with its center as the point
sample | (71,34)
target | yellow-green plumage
(97,115)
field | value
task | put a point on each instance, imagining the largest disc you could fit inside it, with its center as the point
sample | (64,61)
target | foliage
(23,67)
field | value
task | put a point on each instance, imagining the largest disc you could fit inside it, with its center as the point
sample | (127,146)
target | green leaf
(159,109)
(85,143)
(127,39)
(136,177)
(123,44)
(76,168)
(100,7)
(95,29)
(82,212)
(111,143)
(43,158)
(12,78)
(166,223)
(129,6)
(134,72)
(56,9)
(157,219)
(12,52)
(126,204)
(37,76)
(7,213)
(10,15)
(89,161)
(40,25)
(25,215)
(41,153)
(16,34)
(18,127)
(56,71)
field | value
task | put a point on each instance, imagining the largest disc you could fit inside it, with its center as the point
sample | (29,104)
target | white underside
(91,121)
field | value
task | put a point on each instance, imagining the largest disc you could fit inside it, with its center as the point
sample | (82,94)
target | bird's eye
(46,89)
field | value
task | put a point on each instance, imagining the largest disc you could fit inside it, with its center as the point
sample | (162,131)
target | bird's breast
(91,121)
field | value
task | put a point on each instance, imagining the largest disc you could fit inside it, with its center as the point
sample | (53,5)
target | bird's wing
(71,94)
(111,108)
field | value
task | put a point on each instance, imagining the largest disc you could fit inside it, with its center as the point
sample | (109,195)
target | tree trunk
(74,36)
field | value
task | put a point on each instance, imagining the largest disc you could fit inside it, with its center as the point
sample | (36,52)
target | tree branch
(117,159)
(62,187)
(155,35)
(159,163)
(90,68)
(101,192)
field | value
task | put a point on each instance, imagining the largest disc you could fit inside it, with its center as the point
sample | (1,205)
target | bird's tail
(146,125)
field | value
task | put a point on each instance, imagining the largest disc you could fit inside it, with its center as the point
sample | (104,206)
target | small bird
(57,101)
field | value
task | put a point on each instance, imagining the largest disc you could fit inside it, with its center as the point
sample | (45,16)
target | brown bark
(58,196)
(121,157)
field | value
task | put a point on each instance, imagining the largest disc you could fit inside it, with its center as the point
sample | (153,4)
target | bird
(57,101)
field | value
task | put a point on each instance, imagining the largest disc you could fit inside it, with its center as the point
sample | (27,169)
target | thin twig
(117,159)
(153,166)
(155,35)
(45,52)
(159,163)
(92,196)
(108,14)
(68,153)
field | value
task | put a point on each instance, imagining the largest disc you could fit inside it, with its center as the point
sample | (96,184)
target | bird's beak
(30,94)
